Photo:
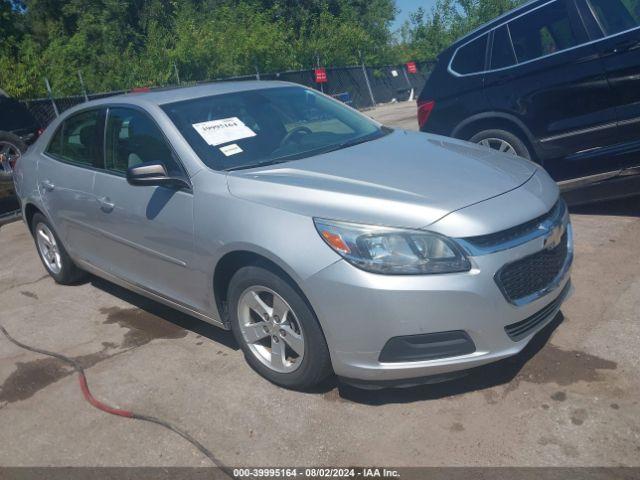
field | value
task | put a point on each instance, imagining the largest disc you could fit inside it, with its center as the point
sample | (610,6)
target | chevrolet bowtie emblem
(554,238)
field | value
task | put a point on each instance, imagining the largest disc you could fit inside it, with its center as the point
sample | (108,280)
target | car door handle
(47,185)
(622,47)
(106,205)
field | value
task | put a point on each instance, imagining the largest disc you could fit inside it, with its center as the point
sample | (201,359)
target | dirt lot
(570,399)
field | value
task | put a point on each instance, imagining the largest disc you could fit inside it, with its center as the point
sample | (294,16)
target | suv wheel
(11,148)
(503,141)
(276,329)
(52,253)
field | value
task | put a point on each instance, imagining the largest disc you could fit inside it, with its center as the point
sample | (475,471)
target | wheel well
(493,123)
(29,211)
(229,265)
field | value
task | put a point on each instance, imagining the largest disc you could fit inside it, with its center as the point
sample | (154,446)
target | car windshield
(272,125)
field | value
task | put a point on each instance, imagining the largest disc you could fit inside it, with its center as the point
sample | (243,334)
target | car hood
(404,179)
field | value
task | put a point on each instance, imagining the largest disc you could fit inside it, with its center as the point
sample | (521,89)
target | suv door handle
(622,47)
(47,185)
(106,205)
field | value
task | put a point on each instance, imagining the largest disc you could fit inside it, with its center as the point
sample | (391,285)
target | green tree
(424,35)
(119,44)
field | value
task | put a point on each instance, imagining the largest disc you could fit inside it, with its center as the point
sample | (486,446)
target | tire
(492,139)
(9,144)
(59,265)
(304,371)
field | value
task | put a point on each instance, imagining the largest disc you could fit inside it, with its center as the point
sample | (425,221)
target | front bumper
(359,312)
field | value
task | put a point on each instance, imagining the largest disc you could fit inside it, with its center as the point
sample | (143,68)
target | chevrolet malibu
(326,242)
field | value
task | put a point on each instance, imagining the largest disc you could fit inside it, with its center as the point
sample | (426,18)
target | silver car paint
(410,189)
(168,246)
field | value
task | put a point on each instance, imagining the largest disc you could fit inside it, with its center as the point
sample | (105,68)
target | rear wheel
(52,253)
(502,141)
(276,329)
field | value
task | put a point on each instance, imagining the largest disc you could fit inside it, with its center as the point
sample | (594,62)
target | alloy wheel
(499,145)
(48,248)
(271,329)
(9,155)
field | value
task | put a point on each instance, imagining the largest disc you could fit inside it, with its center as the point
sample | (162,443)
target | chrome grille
(533,274)
(515,236)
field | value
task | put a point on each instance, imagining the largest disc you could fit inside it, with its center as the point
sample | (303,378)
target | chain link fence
(349,84)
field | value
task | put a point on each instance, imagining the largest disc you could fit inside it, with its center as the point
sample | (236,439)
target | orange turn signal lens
(335,241)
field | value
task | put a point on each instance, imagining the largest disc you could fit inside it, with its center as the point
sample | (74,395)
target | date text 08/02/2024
(364,472)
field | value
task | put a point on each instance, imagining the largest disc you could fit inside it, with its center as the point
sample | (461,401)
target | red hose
(84,386)
(97,403)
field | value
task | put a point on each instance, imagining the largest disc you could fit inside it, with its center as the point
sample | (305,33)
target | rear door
(456,87)
(618,21)
(546,73)
(66,170)
(147,231)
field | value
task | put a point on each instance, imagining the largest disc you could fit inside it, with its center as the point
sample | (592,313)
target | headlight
(393,251)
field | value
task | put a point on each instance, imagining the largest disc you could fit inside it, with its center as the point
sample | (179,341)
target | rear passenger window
(502,54)
(133,138)
(79,139)
(542,32)
(471,57)
(616,16)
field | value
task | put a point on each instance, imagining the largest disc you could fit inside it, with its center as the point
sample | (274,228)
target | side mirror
(153,174)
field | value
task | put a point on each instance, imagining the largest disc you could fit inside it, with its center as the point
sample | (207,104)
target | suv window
(616,16)
(79,139)
(14,115)
(502,54)
(471,57)
(133,138)
(542,32)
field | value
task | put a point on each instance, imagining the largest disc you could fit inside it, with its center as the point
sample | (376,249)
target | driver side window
(133,138)
(616,16)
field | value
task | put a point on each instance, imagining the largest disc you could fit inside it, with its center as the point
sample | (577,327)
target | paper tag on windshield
(225,130)
(232,149)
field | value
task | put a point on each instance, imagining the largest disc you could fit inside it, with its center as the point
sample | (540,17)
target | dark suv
(18,128)
(555,81)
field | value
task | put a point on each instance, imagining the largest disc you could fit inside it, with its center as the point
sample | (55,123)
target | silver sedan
(326,242)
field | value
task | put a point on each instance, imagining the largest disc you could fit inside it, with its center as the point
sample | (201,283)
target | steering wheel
(293,133)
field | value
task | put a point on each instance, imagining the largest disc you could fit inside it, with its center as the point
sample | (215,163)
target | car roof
(485,27)
(178,94)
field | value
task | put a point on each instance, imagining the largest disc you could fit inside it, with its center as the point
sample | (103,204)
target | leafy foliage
(119,44)
(425,35)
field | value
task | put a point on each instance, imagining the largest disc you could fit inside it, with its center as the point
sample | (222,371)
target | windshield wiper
(367,138)
(284,159)
(256,165)
(318,151)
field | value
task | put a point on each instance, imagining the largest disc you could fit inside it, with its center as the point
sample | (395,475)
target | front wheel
(276,329)
(502,141)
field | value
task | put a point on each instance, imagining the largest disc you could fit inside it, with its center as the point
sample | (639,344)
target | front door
(619,20)
(545,71)
(148,231)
